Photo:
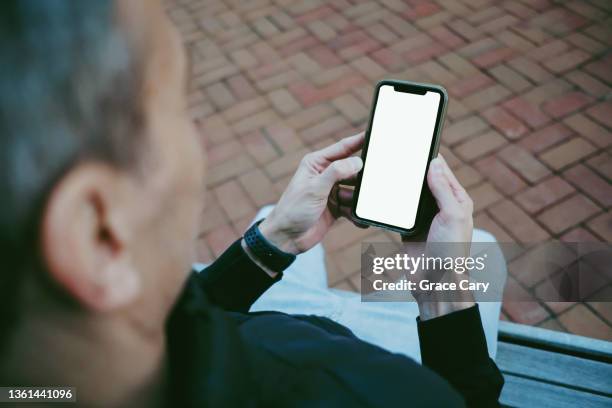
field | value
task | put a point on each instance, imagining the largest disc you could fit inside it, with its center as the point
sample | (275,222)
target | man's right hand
(453,224)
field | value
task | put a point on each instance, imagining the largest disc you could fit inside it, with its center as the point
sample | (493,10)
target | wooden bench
(544,368)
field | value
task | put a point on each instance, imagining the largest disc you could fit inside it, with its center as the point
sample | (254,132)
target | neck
(110,363)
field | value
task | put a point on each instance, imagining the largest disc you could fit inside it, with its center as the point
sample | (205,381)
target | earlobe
(81,238)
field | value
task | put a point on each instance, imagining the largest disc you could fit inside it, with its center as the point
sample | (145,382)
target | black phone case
(427,208)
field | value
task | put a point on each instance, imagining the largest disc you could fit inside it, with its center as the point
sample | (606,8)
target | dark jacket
(220,355)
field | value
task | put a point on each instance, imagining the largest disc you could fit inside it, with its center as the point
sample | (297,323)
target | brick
(530,69)
(286,164)
(467,86)
(603,306)
(578,234)
(586,43)
(524,163)
(283,101)
(504,122)
(567,153)
(498,24)
(515,41)
(321,30)
(324,56)
(220,95)
(259,147)
(548,50)
(602,113)
(467,176)
(480,145)
(547,91)
(424,53)
(255,121)
(546,137)
(229,169)
(464,29)
(602,226)
(589,84)
(458,64)
(324,128)
(484,222)
(602,164)
(486,97)
(567,61)
(241,87)
(283,137)
(580,319)
(368,67)
(244,109)
(303,64)
(587,128)
(590,183)
(446,37)
(493,57)
(600,69)
(570,212)
(258,187)
(527,112)
(244,59)
(351,108)
(509,78)
(380,32)
(212,217)
(220,239)
(518,223)
(233,200)
(224,151)
(464,129)
(525,311)
(567,104)
(500,175)
(483,196)
(544,194)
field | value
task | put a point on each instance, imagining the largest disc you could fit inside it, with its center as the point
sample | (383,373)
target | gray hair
(69,92)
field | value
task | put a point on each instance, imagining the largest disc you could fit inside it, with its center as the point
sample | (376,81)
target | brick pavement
(528,129)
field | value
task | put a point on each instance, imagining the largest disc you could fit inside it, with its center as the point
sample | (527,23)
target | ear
(83,238)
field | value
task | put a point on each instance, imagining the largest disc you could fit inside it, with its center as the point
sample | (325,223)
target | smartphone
(401,140)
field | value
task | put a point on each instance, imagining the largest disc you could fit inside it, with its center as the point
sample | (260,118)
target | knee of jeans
(479,235)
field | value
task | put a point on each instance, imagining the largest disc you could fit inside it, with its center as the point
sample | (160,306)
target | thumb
(439,186)
(339,170)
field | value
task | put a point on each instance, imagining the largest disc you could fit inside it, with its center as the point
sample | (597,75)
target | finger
(343,148)
(351,181)
(458,189)
(336,171)
(440,186)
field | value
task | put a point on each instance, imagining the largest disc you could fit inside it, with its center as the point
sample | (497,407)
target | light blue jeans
(390,325)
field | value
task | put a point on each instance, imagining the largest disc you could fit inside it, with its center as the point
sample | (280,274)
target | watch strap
(266,252)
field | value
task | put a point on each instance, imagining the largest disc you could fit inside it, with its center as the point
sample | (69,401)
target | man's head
(101,179)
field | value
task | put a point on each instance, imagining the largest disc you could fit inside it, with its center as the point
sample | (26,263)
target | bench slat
(554,367)
(524,392)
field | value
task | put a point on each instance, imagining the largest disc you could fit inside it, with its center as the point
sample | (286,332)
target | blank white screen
(394,170)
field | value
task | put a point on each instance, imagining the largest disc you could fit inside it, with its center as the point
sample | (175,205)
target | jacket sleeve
(234,282)
(455,347)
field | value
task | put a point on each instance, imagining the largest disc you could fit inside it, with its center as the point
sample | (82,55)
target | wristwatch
(268,254)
